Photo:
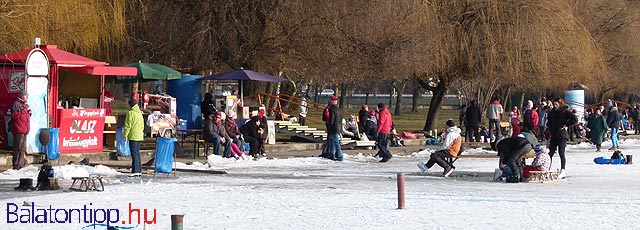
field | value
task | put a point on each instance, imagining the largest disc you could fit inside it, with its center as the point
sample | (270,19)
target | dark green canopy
(151,72)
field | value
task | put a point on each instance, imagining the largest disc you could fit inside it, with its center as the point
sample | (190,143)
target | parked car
(327,92)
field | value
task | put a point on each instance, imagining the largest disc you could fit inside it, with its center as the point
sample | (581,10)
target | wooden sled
(542,177)
(90,183)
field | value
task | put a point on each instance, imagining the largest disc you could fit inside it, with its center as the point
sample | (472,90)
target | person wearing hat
(542,162)
(20,123)
(214,133)
(325,112)
(334,128)
(232,129)
(384,129)
(450,148)
(134,131)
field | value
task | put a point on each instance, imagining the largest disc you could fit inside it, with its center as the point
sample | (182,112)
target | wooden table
(190,132)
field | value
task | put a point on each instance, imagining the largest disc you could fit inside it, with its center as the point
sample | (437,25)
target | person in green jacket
(598,127)
(133,130)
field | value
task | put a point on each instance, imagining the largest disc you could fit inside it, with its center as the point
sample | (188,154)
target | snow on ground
(360,193)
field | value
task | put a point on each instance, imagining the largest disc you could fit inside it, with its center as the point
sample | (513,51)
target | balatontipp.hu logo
(30,213)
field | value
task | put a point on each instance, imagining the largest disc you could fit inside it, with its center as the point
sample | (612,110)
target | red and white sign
(81,130)
(16,81)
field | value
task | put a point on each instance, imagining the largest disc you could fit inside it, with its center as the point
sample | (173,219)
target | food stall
(161,115)
(70,96)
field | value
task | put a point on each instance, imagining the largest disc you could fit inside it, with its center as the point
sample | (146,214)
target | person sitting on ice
(542,162)
(450,148)
(350,129)
(510,151)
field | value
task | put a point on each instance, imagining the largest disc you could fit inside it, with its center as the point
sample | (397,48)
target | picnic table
(195,133)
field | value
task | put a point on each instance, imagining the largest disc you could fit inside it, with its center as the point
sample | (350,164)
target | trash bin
(53,150)
(164,155)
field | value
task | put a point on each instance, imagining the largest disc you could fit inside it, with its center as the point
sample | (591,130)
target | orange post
(400,190)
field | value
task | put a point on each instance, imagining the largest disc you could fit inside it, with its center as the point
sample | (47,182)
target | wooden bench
(542,176)
(359,144)
(90,183)
(452,159)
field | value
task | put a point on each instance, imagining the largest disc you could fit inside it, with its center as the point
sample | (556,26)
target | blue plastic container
(164,154)
(53,149)
(188,93)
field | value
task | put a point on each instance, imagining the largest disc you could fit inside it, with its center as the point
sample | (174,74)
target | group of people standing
(550,121)
(376,125)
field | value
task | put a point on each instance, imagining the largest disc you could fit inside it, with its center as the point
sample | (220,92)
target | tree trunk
(507,99)
(400,91)
(414,99)
(366,98)
(522,102)
(343,94)
(434,106)
(390,97)
(316,96)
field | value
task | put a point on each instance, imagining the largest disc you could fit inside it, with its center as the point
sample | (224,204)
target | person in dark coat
(263,131)
(613,120)
(215,133)
(20,124)
(474,117)
(334,128)
(250,134)
(371,126)
(636,119)
(207,106)
(559,121)
(510,151)
(462,116)
(363,114)
(597,129)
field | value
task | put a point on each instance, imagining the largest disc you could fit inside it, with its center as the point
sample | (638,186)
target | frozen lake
(359,193)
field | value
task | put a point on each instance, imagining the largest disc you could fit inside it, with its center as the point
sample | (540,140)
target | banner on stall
(81,130)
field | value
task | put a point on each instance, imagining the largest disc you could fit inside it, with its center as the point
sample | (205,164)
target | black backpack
(617,155)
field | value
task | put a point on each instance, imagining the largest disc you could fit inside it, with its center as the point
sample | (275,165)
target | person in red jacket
(384,129)
(20,123)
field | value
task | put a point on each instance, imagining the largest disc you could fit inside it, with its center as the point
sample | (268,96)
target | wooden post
(53,184)
(176,221)
(400,190)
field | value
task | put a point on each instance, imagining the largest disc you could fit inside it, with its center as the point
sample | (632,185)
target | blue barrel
(164,154)
(188,93)
(53,149)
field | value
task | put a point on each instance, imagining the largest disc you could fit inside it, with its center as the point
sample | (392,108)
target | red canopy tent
(63,60)
(59,60)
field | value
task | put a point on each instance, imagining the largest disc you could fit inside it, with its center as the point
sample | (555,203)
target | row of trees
(482,48)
